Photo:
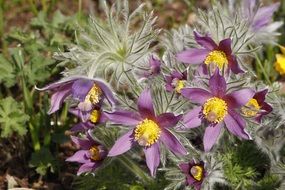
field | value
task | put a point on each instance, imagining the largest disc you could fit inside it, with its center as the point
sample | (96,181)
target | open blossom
(90,154)
(88,92)
(211,55)
(96,116)
(175,81)
(217,108)
(257,107)
(146,130)
(260,19)
(194,172)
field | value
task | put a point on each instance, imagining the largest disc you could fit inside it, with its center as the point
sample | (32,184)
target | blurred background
(33,144)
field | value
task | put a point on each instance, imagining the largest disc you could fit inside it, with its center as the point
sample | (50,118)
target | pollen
(147,132)
(251,108)
(197,172)
(179,85)
(94,116)
(218,58)
(215,110)
(94,153)
(94,95)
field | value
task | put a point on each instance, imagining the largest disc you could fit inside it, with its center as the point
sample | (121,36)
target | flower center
(251,108)
(179,85)
(94,94)
(215,109)
(216,57)
(197,172)
(94,153)
(147,132)
(94,116)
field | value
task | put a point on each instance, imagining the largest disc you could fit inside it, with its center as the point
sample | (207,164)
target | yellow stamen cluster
(94,153)
(215,109)
(94,116)
(147,132)
(251,108)
(94,94)
(197,172)
(179,85)
(218,58)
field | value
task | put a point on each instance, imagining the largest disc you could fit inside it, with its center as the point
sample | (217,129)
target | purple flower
(147,130)
(259,18)
(217,108)
(90,155)
(88,92)
(176,81)
(194,172)
(211,54)
(94,117)
(257,107)
(153,69)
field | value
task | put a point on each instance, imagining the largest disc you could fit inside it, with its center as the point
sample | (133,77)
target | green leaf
(12,118)
(7,74)
(43,160)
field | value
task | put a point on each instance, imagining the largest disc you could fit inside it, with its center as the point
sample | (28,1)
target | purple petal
(265,109)
(184,167)
(211,135)
(82,143)
(196,95)
(172,142)
(79,156)
(236,124)
(154,65)
(152,156)
(58,98)
(88,167)
(217,84)
(80,88)
(167,120)
(59,84)
(192,118)
(123,144)
(124,117)
(260,96)
(79,127)
(234,66)
(225,46)
(193,56)
(106,90)
(205,41)
(239,98)
(264,15)
(145,104)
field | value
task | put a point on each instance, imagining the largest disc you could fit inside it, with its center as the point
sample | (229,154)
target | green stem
(128,163)
(33,7)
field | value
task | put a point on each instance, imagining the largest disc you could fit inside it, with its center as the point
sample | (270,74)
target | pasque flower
(175,81)
(217,108)
(91,154)
(96,116)
(147,130)
(194,172)
(212,55)
(257,107)
(88,92)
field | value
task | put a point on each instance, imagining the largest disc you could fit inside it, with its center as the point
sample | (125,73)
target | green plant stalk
(44,5)
(33,7)
(131,166)
(34,137)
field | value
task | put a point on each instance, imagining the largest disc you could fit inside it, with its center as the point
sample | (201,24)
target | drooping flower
(90,154)
(96,116)
(175,81)
(88,92)
(211,55)
(257,107)
(280,61)
(261,19)
(154,65)
(217,108)
(194,172)
(147,130)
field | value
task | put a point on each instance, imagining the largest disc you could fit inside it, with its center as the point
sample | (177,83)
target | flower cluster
(201,84)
